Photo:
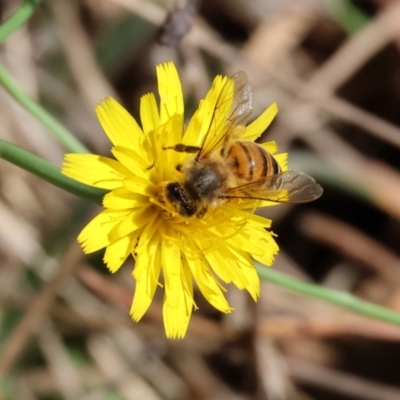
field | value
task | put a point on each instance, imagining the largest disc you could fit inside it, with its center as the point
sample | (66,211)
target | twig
(352,243)
(61,367)
(339,382)
(357,50)
(113,293)
(78,50)
(36,312)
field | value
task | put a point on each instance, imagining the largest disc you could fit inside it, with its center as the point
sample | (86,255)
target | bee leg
(182,148)
(202,212)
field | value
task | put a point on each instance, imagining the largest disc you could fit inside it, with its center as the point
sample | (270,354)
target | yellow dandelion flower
(181,199)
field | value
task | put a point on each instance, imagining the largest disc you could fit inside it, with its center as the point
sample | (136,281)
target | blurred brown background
(333,66)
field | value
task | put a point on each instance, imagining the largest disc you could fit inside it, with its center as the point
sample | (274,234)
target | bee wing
(242,104)
(223,125)
(286,187)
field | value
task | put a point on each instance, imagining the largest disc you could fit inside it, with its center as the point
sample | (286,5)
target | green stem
(48,172)
(18,18)
(347,15)
(6,80)
(341,299)
(59,132)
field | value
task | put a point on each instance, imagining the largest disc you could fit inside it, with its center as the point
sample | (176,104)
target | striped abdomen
(249,161)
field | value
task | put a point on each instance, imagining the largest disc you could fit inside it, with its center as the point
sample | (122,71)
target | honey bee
(227,168)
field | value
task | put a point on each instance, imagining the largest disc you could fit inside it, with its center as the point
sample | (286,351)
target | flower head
(157,209)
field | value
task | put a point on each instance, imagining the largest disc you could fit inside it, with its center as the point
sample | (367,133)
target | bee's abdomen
(249,161)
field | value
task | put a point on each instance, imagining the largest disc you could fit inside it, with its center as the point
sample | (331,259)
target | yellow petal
(271,146)
(271,249)
(171,262)
(177,315)
(120,127)
(246,265)
(171,134)
(132,160)
(221,123)
(253,287)
(170,90)
(245,241)
(146,284)
(94,170)
(95,235)
(136,219)
(224,265)
(205,280)
(282,160)
(149,242)
(270,246)
(149,113)
(116,253)
(254,220)
(211,117)
(140,186)
(258,126)
(124,199)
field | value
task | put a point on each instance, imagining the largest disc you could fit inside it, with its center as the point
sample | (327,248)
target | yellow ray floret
(120,127)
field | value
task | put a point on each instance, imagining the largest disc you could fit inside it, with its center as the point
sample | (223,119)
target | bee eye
(179,167)
(190,209)
(177,196)
(174,191)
